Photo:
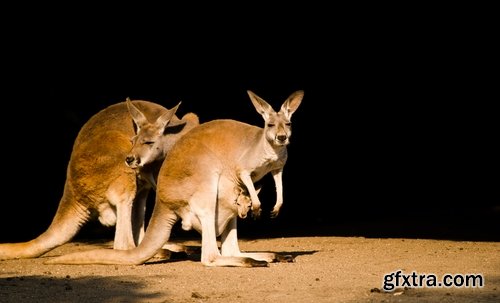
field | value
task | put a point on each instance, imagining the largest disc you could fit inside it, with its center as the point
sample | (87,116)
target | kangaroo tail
(157,234)
(69,218)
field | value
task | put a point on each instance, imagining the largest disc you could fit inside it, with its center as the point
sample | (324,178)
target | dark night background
(393,137)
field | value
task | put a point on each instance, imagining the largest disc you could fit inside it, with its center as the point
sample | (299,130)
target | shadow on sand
(49,289)
(193,253)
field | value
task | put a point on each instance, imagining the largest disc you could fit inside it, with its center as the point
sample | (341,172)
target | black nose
(129,159)
(281,138)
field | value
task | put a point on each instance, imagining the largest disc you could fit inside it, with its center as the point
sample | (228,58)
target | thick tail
(157,234)
(69,218)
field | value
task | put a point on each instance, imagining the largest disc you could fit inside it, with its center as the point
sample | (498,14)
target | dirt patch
(325,269)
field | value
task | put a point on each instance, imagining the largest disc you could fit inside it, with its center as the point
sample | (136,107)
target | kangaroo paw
(285,258)
(256,263)
(256,213)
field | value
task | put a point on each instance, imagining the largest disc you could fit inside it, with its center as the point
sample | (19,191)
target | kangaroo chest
(265,166)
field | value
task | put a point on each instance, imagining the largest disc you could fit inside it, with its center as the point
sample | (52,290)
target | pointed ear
(292,103)
(138,117)
(164,119)
(261,105)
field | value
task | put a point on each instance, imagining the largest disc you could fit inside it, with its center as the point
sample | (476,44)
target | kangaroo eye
(288,124)
(270,124)
(149,142)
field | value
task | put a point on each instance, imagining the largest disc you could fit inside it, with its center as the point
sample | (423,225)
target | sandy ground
(324,269)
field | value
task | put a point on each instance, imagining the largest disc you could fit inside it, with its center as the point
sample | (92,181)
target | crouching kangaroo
(206,180)
(113,165)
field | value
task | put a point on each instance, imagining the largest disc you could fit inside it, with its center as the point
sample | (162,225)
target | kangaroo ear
(163,120)
(292,103)
(261,105)
(138,117)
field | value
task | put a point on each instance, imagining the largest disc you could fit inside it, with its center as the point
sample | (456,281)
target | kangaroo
(113,165)
(205,181)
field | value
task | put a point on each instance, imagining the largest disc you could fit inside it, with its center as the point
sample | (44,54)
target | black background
(394,136)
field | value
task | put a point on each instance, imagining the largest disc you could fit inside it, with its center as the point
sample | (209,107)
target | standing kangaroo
(114,163)
(205,181)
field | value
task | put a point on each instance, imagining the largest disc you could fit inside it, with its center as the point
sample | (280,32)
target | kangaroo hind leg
(121,194)
(205,204)
(230,247)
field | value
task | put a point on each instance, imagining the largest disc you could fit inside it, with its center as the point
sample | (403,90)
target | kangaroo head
(243,201)
(278,125)
(148,143)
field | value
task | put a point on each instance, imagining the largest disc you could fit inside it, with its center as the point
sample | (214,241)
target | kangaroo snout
(282,138)
(132,161)
(244,204)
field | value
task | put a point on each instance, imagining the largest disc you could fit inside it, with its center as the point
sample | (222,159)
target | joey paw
(256,213)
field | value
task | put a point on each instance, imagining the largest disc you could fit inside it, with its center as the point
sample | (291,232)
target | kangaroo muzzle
(133,161)
(282,138)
